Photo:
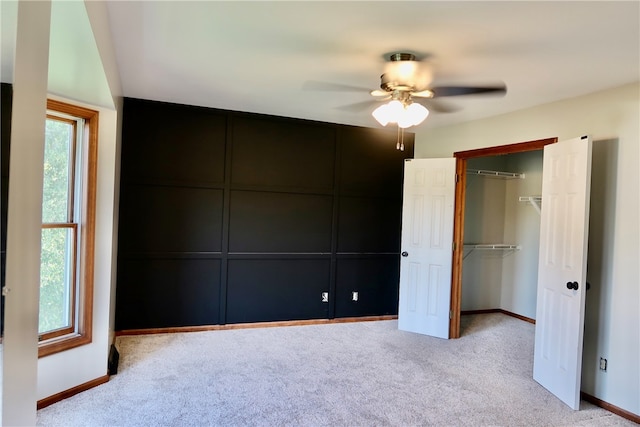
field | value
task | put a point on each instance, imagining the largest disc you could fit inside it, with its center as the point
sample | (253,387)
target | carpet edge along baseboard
(203,328)
(43,403)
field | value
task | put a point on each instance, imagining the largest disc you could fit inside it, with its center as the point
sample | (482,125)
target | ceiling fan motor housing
(402,57)
(390,84)
(403,74)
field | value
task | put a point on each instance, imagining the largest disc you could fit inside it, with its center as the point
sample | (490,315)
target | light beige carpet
(352,374)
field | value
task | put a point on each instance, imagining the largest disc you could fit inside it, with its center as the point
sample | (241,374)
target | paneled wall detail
(229,217)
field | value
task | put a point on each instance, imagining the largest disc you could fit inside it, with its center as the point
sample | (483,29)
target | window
(68,223)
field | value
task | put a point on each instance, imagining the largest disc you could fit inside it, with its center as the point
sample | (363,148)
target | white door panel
(427,237)
(562,268)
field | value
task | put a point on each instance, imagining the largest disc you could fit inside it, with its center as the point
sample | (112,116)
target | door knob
(572,285)
(405,254)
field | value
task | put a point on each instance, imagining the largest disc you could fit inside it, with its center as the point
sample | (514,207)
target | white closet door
(427,239)
(562,268)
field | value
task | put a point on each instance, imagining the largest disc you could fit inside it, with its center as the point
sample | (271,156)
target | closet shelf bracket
(535,201)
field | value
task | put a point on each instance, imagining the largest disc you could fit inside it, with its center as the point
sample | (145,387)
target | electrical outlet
(354,296)
(603,364)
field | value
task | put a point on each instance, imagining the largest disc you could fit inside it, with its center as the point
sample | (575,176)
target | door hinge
(457,178)
(450,314)
(453,246)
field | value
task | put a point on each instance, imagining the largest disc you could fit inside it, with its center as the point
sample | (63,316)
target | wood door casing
(459,208)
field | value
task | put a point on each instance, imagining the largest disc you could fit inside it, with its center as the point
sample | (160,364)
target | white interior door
(427,239)
(562,268)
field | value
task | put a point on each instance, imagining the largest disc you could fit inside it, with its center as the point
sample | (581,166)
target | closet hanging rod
(530,199)
(490,246)
(493,246)
(495,174)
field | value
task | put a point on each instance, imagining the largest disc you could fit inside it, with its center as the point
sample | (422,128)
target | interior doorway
(463,159)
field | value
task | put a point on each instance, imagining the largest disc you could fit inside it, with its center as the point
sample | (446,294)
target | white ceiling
(257,56)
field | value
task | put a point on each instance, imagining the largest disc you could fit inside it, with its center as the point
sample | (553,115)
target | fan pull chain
(400,143)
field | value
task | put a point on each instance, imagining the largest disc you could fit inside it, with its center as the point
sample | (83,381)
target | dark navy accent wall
(229,217)
(6,93)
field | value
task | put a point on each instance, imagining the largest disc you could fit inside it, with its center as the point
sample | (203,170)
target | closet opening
(496,231)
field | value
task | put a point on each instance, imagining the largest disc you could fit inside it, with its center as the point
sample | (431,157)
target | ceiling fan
(406,84)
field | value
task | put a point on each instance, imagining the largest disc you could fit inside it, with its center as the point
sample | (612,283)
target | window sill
(63,343)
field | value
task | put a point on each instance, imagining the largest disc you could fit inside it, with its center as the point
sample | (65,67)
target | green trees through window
(58,233)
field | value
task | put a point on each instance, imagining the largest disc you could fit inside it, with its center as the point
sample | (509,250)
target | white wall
(93,55)
(64,370)
(24,217)
(483,223)
(99,21)
(502,279)
(27,378)
(522,227)
(612,118)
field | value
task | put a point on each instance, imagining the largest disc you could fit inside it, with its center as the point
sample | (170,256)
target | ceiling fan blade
(360,106)
(332,87)
(438,106)
(468,90)
(379,92)
(427,93)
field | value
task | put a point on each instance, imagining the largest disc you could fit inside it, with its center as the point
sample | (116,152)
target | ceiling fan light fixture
(417,113)
(404,115)
(381,114)
(389,112)
(395,110)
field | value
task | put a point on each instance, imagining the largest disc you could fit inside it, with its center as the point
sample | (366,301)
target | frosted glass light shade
(405,116)
(381,114)
(417,113)
(395,110)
